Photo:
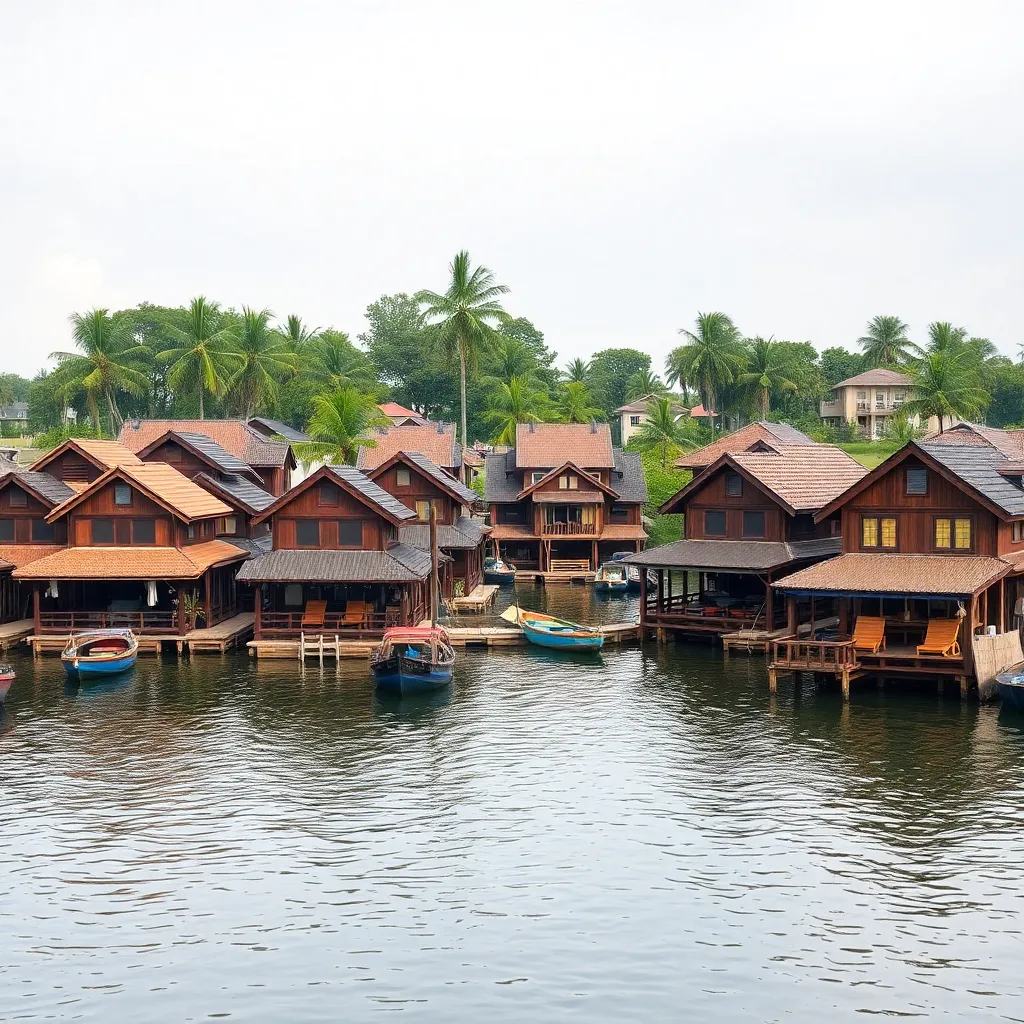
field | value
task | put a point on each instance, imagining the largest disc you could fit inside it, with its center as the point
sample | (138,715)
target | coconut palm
(297,334)
(946,385)
(577,372)
(340,426)
(265,357)
(710,359)
(660,431)
(766,372)
(943,336)
(514,402)
(109,361)
(203,355)
(886,342)
(575,404)
(332,359)
(643,383)
(511,357)
(464,317)
(676,370)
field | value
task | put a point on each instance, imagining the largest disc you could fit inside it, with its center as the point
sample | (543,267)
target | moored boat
(6,679)
(99,652)
(413,659)
(1011,686)
(611,578)
(497,571)
(557,634)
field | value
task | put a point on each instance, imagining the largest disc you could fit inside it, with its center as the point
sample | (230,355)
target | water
(644,835)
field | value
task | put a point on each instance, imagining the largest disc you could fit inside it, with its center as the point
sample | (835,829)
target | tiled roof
(860,573)
(471,457)
(499,484)
(512,531)
(51,490)
(623,531)
(464,534)
(270,427)
(628,478)
(734,555)
(568,497)
(394,409)
(213,452)
(641,404)
(878,377)
(104,454)
(253,546)
(135,563)
(546,445)
(446,480)
(979,468)
(236,490)
(18,555)
(1008,442)
(805,477)
(776,435)
(434,440)
(234,436)
(400,563)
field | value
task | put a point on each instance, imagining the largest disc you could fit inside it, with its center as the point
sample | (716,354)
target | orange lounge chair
(355,612)
(314,614)
(869,634)
(941,638)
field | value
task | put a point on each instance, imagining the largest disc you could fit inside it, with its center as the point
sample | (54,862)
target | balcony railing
(288,625)
(568,529)
(138,622)
(814,655)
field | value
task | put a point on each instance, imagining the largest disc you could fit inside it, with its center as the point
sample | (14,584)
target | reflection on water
(647,835)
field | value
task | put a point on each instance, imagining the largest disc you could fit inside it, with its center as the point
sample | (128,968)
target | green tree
(839,364)
(109,362)
(515,401)
(575,404)
(577,371)
(264,357)
(464,318)
(203,355)
(339,427)
(610,369)
(1006,386)
(521,329)
(296,334)
(643,383)
(946,385)
(331,359)
(886,343)
(944,337)
(711,359)
(510,357)
(6,389)
(660,432)
(767,372)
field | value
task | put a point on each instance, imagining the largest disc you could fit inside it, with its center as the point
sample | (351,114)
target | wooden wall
(24,515)
(420,488)
(70,465)
(307,504)
(711,496)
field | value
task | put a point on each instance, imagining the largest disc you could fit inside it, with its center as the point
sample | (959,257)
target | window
(423,509)
(574,482)
(619,513)
(7,529)
(879,399)
(350,533)
(143,531)
(862,396)
(510,514)
(122,494)
(307,533)
(228,526)
(962,534)
(103,531)
(328,493)
(753,524)
(733,485)
(172,453)
(402,476)
(537,476)
(17,498)
(888,533)
(714,524)
(953,533)
(563,483)
(43,531)
(1016,532)
(634,421)
(191,533)
(917,481)
(878,533)
(898,398)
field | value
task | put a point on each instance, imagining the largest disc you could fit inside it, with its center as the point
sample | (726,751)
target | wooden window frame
(953,548)
(8,540)
(1017,531)
(419,510)
(403,472)
(732,477)
(123,504)
(135,532)
(321,499)
(22,496)
(725,522)
(345,522)
(92,532)
(879,521)
(307,522)
(906,482)
(51,539)
(754,512)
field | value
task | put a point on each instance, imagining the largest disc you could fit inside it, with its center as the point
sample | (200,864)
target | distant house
(634,415)
(759,436)
(434,440)
(869,401)
(270,428)
(17,414)
(400,416)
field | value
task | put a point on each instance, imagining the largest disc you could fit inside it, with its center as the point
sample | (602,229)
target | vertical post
(35,608)
(259,611)
(643,598)
(181,609)
(844,616)
(1001,624)
(769,605)
(791,622)
(594,555)
(434,582)
(661,591)
(811,636)
(207,605)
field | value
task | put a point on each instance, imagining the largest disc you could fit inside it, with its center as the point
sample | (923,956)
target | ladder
(318,646)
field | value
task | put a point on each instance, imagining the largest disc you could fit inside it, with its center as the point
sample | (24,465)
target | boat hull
(611,587)
(500,578)
(560,641)
(399,675)
(6,682)
(90,668)
(1011,694)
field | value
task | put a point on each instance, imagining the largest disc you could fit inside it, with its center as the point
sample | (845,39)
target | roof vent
(440,428)
(136,424)
(593,426)
(533,427)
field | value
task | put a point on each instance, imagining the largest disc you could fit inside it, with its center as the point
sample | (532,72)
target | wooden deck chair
(355,612)
(313,616)
(869,634)
(941,638)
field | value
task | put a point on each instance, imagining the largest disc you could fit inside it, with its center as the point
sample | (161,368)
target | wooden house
(932,549)
(139,551)
(564,497)
(434,440)
(421,485)
(78,460)
(749,518)
(338,566)
(759,436)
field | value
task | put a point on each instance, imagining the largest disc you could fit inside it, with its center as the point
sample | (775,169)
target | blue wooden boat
(611,578)
(557,634)
(413,659)
(1011,686)
(497,571)
(99,652)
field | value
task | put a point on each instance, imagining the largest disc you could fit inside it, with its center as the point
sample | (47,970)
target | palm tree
(511,357)
(946,384)
(577,372)
(204,351)
(297,334)
(109,361)
(265,356)
(886,342)
(766,372)
(339,427)
(643,383)
(464,317)
(676,371)
(332,359)
(517,401)
(660,431)
(943,336)
(711,358)
(575,404)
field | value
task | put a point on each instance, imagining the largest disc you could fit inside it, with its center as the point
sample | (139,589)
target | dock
(12,633)
(751,641)
(569,576)
(479,600)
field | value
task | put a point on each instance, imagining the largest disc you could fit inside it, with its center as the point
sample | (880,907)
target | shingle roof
(512,531)
(623,531)
(253,546)
(394,409)
(234,436)
(443,478)
(877,377)
(270,426)
(400,563)
(734,555)
(546,445)
(631,485)
(979,467)
(775,435)
(135,563)
(464,534)
(51,490)
(104,454)
(641,404)
(374,492)
(18,555)
(805,477)
(434,440)
(236,489)
(499,484)
(898,575)
(1009,442)
(206,446)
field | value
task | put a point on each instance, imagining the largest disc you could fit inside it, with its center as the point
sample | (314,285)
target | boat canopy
(416,633)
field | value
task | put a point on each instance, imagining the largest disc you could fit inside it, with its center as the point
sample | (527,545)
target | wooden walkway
(759,640)
(566,576)
(479,600)
(13,633)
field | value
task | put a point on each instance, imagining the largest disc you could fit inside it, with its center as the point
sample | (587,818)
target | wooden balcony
(582,530)
(141,623)
(289,625)
(793,655)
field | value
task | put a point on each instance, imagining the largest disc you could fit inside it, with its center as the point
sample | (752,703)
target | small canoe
(1011,686)
(611,578)
(413,659)
(558,634)
(99,652)
(497,571)
(6,679)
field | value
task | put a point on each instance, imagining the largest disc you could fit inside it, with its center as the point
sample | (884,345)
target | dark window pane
(350,533)
(620,512)
(7,529)
(17,497)
(143,531)
(714,524)
(753,524)
(307,533)
(42,531)
(328,493)
(917,481)
(733,485)
(122,494)
(103,531)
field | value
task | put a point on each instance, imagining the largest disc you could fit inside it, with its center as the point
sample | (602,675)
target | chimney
(533,427)
(593,426)
(440,428)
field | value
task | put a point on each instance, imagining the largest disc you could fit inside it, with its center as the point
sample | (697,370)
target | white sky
(800,165)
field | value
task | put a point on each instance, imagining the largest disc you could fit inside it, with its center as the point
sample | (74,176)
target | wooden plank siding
(419,488)
(377,533)
(24,515)
(70,465)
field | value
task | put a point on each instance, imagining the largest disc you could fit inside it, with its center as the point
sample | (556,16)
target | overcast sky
(620,166)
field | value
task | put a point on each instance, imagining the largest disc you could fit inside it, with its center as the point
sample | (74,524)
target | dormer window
(537,476)
(733,485)
(917,481)
(328,493)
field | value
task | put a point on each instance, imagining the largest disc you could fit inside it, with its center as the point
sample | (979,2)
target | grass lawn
(868,453)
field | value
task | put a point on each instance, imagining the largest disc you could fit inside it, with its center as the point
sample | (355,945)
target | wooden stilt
(773,680)
(845,681)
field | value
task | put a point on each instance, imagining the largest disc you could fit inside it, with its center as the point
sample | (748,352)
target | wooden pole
(434,582)
(259,611)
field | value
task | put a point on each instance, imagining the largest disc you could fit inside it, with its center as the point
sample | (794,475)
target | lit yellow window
(563,483)
(942,533)
(423,510)
(888,533)
(574,483)
(587,515)
(963,533)
(870,533)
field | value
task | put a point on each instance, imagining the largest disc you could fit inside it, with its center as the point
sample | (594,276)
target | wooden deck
(13,633)
(565,576)
(752,641)
(479,600)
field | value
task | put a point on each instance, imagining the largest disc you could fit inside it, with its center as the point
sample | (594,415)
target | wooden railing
(139,622)
(568,529)
(288,625)
(820,655)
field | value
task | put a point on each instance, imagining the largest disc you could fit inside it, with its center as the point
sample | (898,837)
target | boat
(1011,686)
(558,634)
(413,659)
(612,578)
(6,679)
(99,652)
(497,571)
(633,572)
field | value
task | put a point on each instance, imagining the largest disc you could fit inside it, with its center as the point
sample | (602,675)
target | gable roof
(48,489)
(102,454)
(236,491)
(558,471)
(158,481)
(878,377)
(454,488)
(399,564)
(736,556)
(435,440)
(629,479)
(775,435)
(394,409)
(234,436)
(204,447)
(464,534)
(268,427)
(641,404)
(546,445)
(350,480)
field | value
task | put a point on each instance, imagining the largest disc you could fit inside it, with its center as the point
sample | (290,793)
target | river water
(643,834)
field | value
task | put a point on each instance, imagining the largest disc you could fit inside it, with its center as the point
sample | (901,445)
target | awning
(735,556)
(401,563)
(136,563)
